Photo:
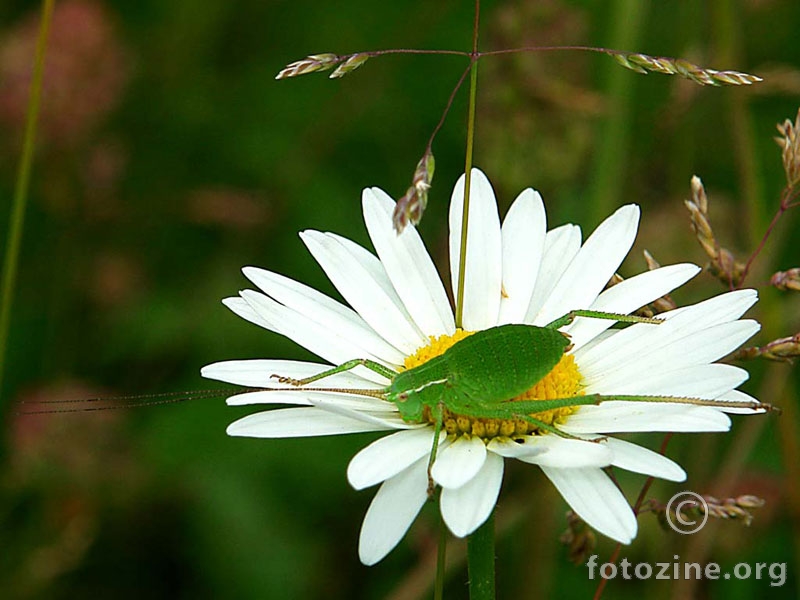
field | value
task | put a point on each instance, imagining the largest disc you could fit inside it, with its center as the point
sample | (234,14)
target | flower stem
(17,221)
(441,562)
(480,558)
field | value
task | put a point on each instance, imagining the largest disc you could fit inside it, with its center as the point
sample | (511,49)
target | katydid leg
(597,314)
(437,429)
(346,366)
(534,406)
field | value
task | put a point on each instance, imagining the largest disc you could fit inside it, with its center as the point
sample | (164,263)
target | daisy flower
(517,272)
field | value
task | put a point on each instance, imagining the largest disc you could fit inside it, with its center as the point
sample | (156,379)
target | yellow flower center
(563,381)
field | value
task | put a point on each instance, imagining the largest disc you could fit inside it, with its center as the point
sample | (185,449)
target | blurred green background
(169,157)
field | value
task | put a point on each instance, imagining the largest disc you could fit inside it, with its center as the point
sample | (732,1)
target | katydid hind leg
(534,406)
(690,401)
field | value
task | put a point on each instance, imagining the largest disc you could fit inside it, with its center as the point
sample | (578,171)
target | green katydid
(479,377)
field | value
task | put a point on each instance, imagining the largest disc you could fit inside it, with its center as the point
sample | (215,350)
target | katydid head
(409,404)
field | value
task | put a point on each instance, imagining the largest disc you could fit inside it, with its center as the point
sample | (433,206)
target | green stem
(462,257)
(473,95)
(17,222)
(480,544)
(480,556)
(441,562)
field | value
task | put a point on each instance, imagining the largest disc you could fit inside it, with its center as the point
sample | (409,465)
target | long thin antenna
(127,401)
(142,400)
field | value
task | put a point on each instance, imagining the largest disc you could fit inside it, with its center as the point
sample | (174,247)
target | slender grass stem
(388,51)
(462,257)
(20,201)
(480,543)
(447,107)
(473,95)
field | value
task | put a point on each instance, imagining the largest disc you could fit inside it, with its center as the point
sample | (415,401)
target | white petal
(628,296)
(369,262)
(408,265)
(560,247)
(527,445)
(324,310)
(459,462)
(309,334)
(392,511)
(385,418)
(638,339)
(721,309)
(641,460)
(265,312)
(259,373)
(523,233)
(482,283)
(600,338)
(619,417)
(566,454)
(596,500)
(248,398)
(376,302)
(310,398)
(387,456)
(670,353)
(593,266)
(697,381)
(298,422)
(713,343)
(466,508)
(242,309)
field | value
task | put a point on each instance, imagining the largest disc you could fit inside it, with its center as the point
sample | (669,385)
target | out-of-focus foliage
(169,157)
